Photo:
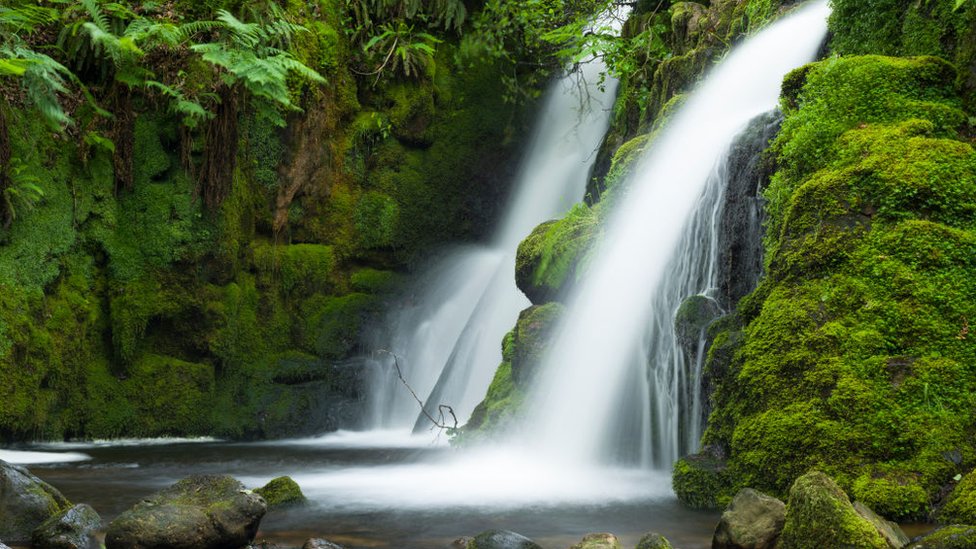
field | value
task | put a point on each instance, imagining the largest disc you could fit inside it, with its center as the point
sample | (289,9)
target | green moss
(898,496)
(373,281)
(334,324)
(281,492)
(702,482)
(377,217)
(301,268)
(169,396)
(949,537)
(960,508)
(819,514)
(550,259)
(854,358)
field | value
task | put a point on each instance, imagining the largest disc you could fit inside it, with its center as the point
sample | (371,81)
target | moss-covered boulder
(694,315)
(550,259)
(653,540)
(960,507)
(855,355)
(598,541)
(281,492)
(25,503)
(198,512)
(502,539)
(819,514)
(752,521)
(73,528)
(890,531)
(948,537)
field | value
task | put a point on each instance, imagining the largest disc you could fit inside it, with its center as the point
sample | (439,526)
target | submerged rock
(890,531)
(318,543)
(73,528)
(752,521)
(819,515)
(654,540)
(198,512)
(948,537)
(25,502)
(281,492)
(502,539)
(598,541)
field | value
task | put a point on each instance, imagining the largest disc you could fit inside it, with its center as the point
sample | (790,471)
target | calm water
(407,493)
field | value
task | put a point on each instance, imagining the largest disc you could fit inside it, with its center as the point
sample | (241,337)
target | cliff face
(138,299)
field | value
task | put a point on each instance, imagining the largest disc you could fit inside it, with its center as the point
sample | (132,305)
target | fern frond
(26,18)
(249,34)
(98,16)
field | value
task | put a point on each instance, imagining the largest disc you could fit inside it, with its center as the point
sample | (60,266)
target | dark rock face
(25,502)
(72,528)
(198,512)
(654,540)
(317,543)
(740,230)
(752,521)
(502,539)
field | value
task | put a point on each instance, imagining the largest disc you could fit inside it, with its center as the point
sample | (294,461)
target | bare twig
(441,421)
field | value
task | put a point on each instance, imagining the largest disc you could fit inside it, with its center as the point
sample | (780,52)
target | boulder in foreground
(25,502)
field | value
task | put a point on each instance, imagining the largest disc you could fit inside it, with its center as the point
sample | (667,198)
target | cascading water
(615,386)
(449,343)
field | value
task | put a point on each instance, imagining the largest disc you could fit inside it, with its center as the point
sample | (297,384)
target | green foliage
(376,218)
(301,268)
(897,496)
(333,323)
(402,49)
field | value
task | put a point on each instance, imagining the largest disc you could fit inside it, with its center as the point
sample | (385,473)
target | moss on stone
(702,482)
(956,536)
(819,514)
(550,260)
(960,507)
(281,492)
(898,495)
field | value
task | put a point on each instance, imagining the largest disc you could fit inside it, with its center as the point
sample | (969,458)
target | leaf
(95,139)
(13,67)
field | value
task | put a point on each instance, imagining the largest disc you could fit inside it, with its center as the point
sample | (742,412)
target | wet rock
(654,540)
(693,316)
(462,542)
(25,502)
(2,546)
(281,492)
(890,531)
(73,528)
(948,537)
(819,514)
(318,543)
(198,512)
(752,521)
(598,541)
(502,539)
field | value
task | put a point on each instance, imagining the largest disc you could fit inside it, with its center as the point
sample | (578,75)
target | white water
(448,343)
(593,401)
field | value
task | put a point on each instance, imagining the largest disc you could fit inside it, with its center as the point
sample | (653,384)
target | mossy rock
(702,481)
(550,260)
(819,514)
(502,539)
(653,540)
(598,541)
(956,536)
(25,502)
(960,508)
(281,492)
(895,496)
(693,317)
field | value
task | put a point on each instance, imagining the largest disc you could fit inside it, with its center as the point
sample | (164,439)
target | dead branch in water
(441,421)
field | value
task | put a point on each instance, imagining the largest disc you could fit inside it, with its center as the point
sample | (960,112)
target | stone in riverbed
(890,531)
(25,502)
(198,512)
(820,515)
(73,528)
(281,492)
(598,541)
(654,540)
(752,521)
(318,543)
(502,539)
(948,537)
(2,546)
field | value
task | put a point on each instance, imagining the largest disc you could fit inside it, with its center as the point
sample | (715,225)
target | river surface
(411,492)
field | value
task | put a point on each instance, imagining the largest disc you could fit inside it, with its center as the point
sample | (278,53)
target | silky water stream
(575,468)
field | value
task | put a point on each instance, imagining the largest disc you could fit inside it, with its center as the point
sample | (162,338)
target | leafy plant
(401,49)
(21,193)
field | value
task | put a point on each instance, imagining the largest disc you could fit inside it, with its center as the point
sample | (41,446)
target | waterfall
(448,339)
(616,387)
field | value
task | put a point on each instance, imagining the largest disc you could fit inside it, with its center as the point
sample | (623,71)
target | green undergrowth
(855,356)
